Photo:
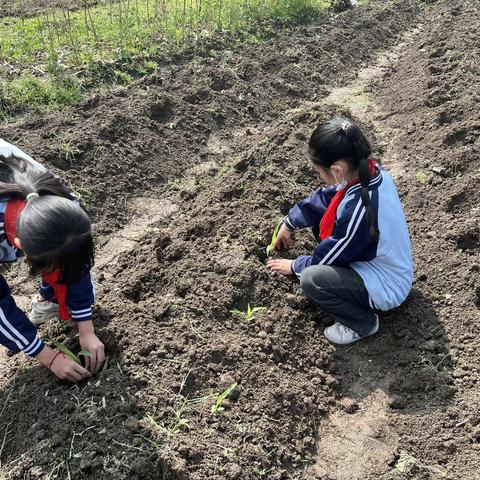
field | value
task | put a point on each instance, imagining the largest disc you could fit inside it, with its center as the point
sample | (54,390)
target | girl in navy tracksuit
(363,261)
(42,220)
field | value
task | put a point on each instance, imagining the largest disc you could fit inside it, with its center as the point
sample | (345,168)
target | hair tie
(345,126)
(32,195)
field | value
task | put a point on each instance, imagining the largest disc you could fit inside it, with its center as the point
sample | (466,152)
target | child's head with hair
(53,230)
(341,152)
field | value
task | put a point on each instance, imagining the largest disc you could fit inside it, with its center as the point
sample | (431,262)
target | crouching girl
(363,261)
(43,221)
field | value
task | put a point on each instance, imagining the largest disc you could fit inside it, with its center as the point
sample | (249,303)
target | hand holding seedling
(284,239)
(62,366)
(92,344)
(280,265)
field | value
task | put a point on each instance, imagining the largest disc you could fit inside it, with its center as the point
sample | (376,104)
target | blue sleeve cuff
(289,224)
(34,348)
(81,314)
(300,264)
(294,269)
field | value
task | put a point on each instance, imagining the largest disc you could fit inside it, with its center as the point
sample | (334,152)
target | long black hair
(341,139)
(55,232)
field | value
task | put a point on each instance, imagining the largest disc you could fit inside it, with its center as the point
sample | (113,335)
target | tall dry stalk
(184,20)
(220,8)
(73,44)
(89,14)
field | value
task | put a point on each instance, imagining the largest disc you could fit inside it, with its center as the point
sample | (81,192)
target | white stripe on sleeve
(12,329)
(345,244)
(85,310)
(325,259)
(32,346)
(84,315)
(7,334)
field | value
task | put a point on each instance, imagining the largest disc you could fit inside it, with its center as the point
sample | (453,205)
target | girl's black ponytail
(355,135)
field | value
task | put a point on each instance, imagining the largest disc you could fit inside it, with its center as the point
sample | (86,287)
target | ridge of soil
(202,161)
(31,8)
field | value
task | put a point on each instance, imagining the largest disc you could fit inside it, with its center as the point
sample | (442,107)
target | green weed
(217,406)
(250,313)
(39,95)
(223,170)
(68,151)
(421,176)
(66,351)
(178,422)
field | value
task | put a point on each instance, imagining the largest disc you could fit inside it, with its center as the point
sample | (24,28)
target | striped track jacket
(17,333)
(385,265)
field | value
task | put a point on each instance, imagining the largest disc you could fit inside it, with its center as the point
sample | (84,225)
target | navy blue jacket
(385,264)
(17,333)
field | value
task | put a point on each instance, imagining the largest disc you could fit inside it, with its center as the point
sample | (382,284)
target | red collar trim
(327,222)
(12,211)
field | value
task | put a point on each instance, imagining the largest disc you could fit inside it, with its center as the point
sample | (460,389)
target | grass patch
(48,61)
(28,91)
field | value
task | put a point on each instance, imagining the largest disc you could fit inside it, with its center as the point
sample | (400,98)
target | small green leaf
(270,247)
(66,351)
(217,406)
(84,353)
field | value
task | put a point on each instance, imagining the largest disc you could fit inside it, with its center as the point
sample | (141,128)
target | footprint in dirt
(404,370)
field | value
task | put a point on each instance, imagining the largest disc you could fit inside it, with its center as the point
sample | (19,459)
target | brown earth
(30,8)
(185,175)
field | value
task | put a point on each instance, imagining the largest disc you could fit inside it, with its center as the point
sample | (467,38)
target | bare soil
(185,175)
(30,8)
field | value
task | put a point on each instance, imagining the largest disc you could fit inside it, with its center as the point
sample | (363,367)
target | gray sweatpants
(341,292)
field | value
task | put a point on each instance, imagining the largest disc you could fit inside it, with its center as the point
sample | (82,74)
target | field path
(417,96)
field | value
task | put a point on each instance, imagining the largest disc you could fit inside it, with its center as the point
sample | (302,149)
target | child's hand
(280,265)
(92,344)
(284,239)
(66,369)
(62,366)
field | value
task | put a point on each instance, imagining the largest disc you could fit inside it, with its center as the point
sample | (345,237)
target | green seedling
(65,350)
(421,176)
(217,406)
(177,423)
(270,248)
(250,313)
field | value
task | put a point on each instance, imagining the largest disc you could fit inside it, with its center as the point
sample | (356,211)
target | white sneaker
(342,335)
(42,310)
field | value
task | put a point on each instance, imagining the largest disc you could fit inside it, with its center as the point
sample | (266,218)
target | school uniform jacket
(385,265)
(17,333)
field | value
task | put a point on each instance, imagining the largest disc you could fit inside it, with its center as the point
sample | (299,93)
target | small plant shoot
(217,406)
(250,313)
(270,247)
(66,351)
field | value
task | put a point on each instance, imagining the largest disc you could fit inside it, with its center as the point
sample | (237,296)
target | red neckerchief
(327,223)
(12,211)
